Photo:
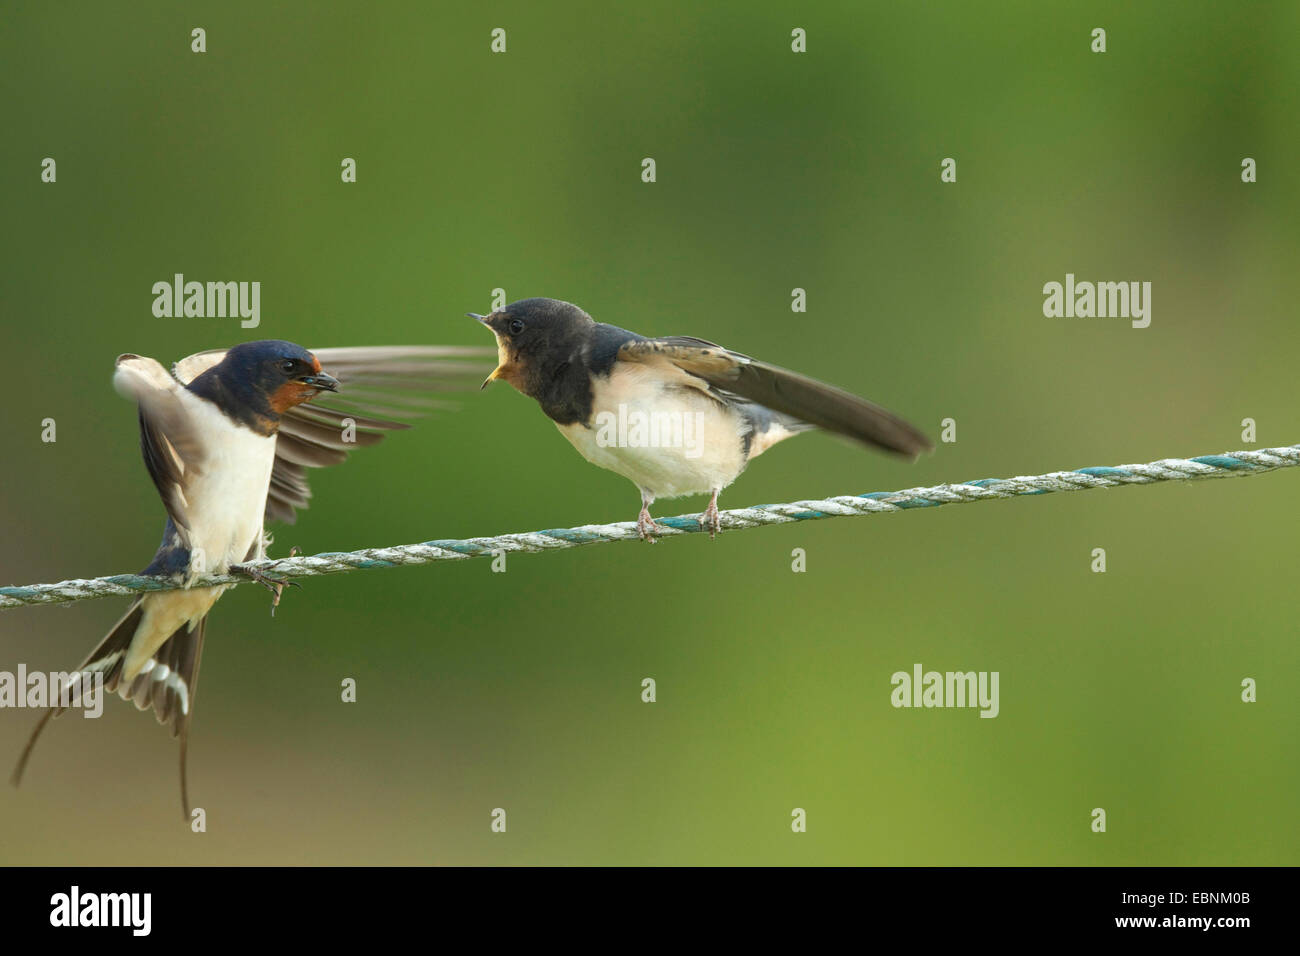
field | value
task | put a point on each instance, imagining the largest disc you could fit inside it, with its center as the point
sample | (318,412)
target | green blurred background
(522,171)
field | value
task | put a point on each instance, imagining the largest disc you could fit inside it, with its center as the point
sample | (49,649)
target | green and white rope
(1234,464)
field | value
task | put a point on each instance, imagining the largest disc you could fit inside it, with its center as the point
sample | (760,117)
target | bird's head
(534,338)
(282,373)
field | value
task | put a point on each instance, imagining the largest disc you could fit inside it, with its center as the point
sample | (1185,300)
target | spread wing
(802,398)
(169,437)
(379,387)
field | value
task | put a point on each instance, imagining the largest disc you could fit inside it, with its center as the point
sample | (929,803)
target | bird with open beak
(675,415)
(227,437)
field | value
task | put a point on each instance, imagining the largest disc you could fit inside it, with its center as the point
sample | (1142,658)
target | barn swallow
(227,436)
(676,415)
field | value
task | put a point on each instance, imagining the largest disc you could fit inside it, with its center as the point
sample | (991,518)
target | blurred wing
(170,439)
(379,387)
(802,398)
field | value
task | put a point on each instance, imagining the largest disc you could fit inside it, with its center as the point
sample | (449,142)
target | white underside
(225,502)
(226,498)
(708,457)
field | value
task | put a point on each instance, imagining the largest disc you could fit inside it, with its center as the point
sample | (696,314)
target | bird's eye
(288,365)
(516,326)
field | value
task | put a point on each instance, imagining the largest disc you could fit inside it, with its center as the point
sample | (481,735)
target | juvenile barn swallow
(227,437)
(600,384)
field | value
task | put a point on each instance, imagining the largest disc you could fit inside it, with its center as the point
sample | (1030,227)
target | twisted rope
(1239,463)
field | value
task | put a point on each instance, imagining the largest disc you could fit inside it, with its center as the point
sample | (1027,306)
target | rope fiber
(1234,464)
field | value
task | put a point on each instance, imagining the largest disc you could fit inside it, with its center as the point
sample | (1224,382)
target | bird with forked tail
(227,436)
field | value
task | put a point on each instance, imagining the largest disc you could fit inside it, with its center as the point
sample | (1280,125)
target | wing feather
(781,390)
(169,439)
(380,386)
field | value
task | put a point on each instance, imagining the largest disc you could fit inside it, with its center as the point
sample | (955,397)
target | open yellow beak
(501,350)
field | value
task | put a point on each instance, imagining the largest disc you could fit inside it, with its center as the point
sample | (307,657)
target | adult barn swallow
(227,436)
(628,403)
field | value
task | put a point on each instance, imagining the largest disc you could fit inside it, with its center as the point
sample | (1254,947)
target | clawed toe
(645,526)
(273,584)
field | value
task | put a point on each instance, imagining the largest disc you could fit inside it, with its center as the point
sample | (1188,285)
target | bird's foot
(711,520)
(273,584)
(645,525)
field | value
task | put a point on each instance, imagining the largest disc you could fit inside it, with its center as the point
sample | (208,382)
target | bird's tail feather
(167,682)
(109,651)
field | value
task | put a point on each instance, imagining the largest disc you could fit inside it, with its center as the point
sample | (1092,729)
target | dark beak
(322,381)
(475,315)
